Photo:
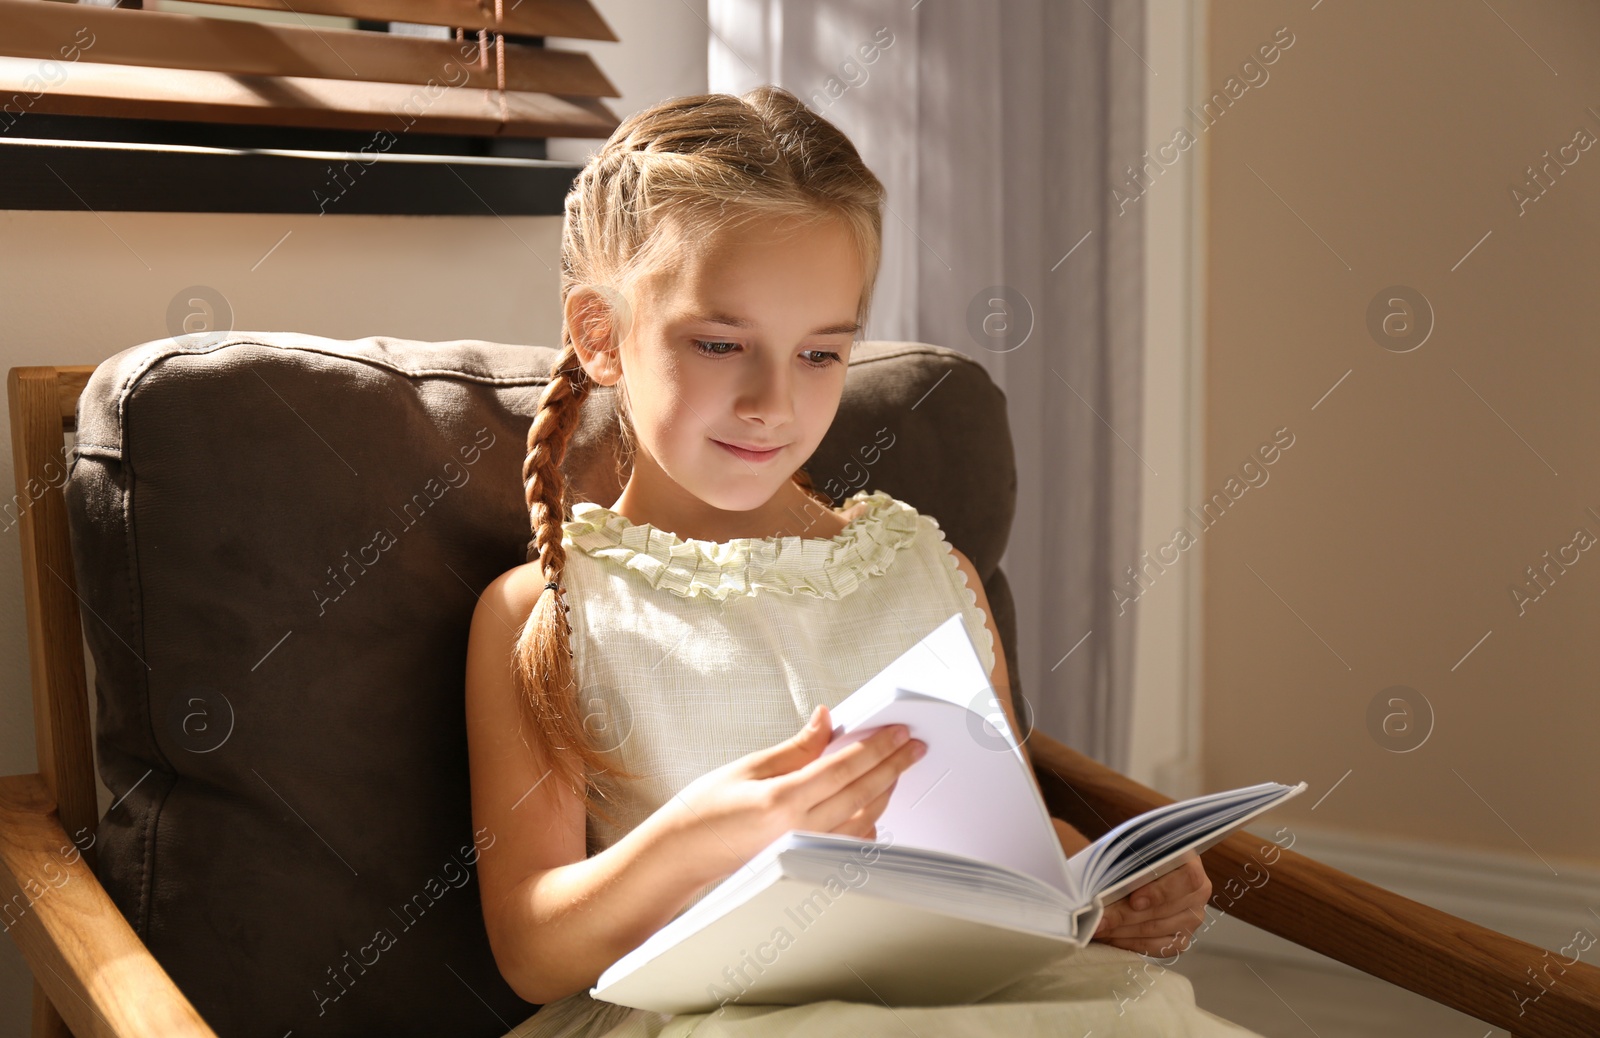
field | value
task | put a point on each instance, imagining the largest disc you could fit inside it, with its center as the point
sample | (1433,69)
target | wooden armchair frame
(92,974)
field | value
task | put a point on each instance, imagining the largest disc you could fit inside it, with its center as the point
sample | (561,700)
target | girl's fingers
(800,748)
(1120,919)
(1160,947)
(1183,888)
(864,821)
(875,806)
(1187,920)
(826,774)
(877,783)
(1171,889)
(827,785)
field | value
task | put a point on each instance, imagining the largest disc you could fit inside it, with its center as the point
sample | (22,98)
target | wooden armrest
(81,950)
(1498,979)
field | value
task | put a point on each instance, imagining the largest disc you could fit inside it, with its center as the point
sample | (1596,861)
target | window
(252,90)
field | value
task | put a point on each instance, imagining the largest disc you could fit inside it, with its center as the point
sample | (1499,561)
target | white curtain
(1001,129)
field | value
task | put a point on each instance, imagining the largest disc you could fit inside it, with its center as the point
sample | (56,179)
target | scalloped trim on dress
(828,567)
(964,587)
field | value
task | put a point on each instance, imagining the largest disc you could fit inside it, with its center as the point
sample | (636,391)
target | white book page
(972,793)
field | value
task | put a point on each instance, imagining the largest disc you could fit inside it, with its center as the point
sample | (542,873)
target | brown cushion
(279,539)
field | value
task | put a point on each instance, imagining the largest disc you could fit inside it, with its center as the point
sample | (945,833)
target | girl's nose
(768,395)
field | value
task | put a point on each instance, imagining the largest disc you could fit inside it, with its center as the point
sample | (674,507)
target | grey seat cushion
(279,540)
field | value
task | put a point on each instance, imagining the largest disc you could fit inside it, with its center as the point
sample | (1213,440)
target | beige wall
(1385,542)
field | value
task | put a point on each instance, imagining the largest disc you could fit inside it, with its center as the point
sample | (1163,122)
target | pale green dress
(691,653)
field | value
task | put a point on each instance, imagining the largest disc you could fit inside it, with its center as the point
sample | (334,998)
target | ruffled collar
(828,567)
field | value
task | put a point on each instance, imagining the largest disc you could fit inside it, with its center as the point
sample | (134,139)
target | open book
(966,888)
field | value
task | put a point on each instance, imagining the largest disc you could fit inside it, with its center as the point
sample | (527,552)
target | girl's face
(744,344)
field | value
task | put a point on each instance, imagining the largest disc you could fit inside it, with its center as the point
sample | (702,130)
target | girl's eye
(709,348)
(701,345)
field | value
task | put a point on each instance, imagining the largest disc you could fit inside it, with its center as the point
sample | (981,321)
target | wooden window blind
(75,59)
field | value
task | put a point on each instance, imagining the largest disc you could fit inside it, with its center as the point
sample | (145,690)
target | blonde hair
(671,177)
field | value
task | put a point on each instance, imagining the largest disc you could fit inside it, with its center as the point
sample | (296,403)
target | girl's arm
(560,928)
(555,918)
(1072,841)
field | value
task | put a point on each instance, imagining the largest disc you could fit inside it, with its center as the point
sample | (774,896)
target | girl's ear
(598,320)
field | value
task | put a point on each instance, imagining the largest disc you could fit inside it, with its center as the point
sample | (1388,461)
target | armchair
(272,543)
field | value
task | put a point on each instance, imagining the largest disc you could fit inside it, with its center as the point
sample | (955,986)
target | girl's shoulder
(519,587)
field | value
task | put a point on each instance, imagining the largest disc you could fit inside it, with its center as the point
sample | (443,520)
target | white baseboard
(1516,895)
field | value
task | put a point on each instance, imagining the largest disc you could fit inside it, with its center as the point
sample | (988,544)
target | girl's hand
(1165,926)
(729,814)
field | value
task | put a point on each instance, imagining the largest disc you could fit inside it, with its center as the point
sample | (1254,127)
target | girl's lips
(748,455)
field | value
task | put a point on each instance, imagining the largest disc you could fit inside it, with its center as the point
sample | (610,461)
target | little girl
(635,689)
